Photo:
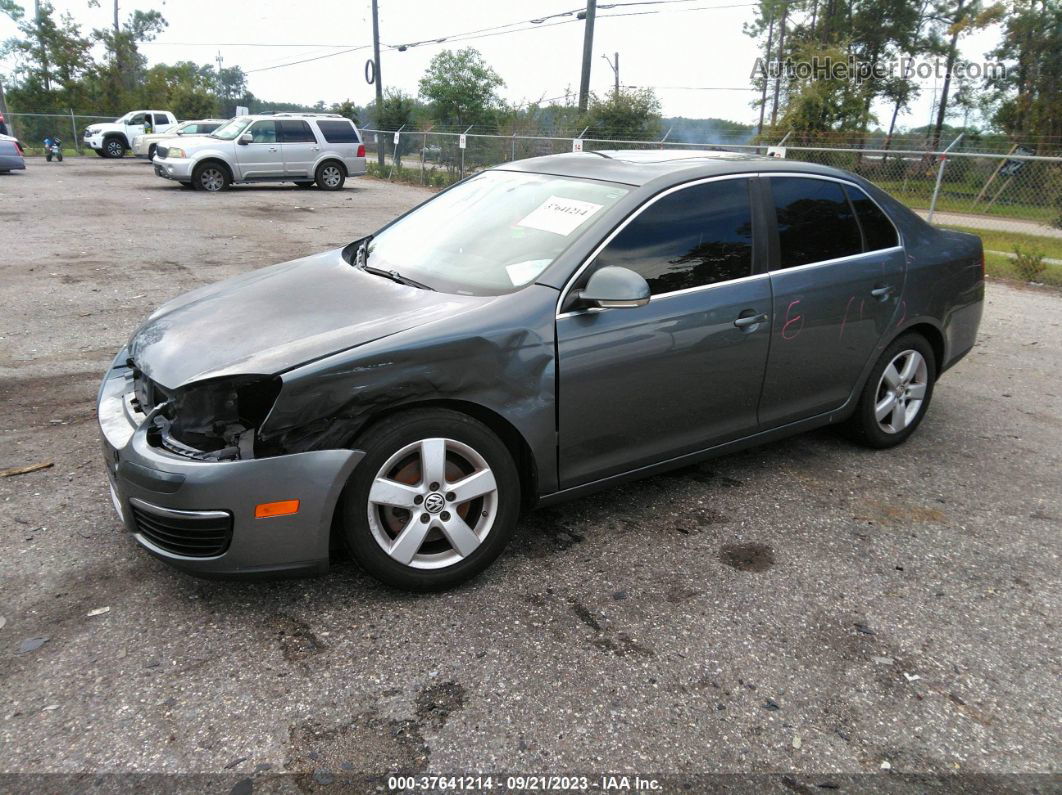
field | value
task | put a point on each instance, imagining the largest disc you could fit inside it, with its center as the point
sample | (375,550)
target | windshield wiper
(395,276)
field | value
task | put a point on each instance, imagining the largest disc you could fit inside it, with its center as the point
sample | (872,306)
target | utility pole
(376,77)
(117,27)
(40,43)
(588,47)
(763,91)
(615,70)
(781,53)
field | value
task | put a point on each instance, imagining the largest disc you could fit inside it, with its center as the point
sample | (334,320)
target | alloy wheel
(212,179)
(901,391)
(331,176)
(115,148)
(432,503)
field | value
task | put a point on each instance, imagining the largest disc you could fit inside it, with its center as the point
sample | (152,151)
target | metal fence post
(514,147)
(463,151)
(73,128)
(940,177)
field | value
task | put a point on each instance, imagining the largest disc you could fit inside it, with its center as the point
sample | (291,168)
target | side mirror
(179,132)
(245,139)
(612,287)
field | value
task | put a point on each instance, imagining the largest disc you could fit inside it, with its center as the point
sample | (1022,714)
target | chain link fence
(32,128)
(1013,189)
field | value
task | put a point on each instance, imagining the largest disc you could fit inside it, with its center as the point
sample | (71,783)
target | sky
(682,49)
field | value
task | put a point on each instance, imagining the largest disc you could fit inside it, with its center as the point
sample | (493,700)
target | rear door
(300,147)
(262,158)
(837,276)
(637,386)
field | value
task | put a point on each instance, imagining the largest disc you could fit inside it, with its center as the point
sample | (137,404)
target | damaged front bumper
(200,515)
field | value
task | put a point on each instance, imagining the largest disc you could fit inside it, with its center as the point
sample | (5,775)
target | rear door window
(338,131)
(161,120)
(878,231)
(693,237)
(815,221)
(295,131)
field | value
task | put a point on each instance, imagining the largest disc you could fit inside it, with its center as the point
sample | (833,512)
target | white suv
(304,148)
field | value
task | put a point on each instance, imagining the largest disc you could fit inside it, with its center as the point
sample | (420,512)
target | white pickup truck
(114,138)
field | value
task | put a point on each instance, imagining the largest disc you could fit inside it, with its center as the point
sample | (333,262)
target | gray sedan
(539,330)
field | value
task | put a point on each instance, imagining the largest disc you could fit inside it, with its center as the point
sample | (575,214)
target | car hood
(270,320)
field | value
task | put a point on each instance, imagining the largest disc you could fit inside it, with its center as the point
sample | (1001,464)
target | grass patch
(1007,241)
(1002,266)
(918,194)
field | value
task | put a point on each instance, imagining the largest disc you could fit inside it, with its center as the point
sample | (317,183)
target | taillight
(361,150)
(18,146)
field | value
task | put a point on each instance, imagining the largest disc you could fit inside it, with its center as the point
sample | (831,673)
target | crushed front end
(190,483)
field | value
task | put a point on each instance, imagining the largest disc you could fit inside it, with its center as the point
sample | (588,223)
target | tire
(331,175)
(880,420)
(113,148)
(211,177)
(48,157)
(99,153)
(304,184)
(461,447)
(151,152)
(59,156)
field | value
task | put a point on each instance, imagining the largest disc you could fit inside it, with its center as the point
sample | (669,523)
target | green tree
(633,114)
(398,111)
(461,88)
(121,75)
(1028,97)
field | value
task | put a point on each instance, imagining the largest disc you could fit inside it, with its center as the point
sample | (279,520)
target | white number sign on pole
(577,144)
(396,137)
(462,141)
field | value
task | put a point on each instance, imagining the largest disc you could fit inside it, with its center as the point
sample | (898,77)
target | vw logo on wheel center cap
(434,502)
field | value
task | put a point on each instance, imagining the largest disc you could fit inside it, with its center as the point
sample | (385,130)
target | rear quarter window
(338,132)
(878,230)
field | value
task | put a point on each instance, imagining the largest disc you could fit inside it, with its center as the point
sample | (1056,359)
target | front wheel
(330,176)
(433,502)
(210,177)
(897,393)
(48,156)
(112,147)
(59,156)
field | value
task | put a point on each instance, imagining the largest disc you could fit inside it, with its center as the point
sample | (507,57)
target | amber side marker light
(282,508)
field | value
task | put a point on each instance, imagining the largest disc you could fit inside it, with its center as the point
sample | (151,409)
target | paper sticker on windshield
(560,216)
(523,272)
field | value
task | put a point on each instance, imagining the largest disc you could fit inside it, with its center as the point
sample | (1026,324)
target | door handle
(882,292)
(748,321)
(272,149)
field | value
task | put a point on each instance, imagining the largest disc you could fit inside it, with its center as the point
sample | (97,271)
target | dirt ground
(805,610)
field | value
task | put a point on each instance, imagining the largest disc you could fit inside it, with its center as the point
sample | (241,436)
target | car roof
(641,166)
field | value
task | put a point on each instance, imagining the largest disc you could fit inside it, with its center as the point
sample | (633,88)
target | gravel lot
(807,608)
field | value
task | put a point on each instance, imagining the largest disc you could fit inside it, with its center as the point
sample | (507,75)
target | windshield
(231,129)
(493,233)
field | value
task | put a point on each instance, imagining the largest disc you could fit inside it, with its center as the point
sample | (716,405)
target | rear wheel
(330,176)
(48,156)
(434,501)
(210,177)
(59,156)
(897,393)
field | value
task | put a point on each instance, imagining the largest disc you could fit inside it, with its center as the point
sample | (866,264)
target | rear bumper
(12,162)
(162,485)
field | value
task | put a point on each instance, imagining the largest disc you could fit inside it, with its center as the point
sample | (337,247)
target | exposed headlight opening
(215,420)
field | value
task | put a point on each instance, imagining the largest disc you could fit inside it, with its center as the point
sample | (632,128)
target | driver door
(641,385)
(262,157)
